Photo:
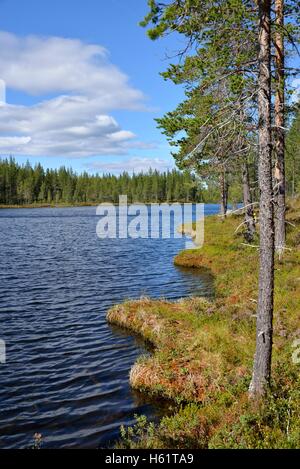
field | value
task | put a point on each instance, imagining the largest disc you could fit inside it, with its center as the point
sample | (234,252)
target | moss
(203,349)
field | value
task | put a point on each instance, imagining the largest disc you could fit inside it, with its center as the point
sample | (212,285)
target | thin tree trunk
(264,327)
(249,212)
(226,192)
(293,177)
(279,136)
(223,193)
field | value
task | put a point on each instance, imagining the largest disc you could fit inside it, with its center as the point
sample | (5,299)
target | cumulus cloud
(38,65)
(134,164)
(64,126)
(76,122)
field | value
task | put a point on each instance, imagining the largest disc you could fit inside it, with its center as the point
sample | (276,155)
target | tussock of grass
(203,350)
(196,351)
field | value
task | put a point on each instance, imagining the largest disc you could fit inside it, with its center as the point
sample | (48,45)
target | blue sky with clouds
(83,85)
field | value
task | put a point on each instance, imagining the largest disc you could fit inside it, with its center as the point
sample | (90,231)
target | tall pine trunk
(249,212)
(223,193)
(264,326)
(279,136)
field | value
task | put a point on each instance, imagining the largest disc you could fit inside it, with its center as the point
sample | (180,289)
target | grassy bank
(203,350)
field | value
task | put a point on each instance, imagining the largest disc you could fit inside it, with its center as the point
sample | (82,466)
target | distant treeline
(25,184)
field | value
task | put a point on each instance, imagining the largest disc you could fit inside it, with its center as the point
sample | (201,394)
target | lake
(66,370)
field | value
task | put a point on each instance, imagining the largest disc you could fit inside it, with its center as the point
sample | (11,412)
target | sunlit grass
(204,349)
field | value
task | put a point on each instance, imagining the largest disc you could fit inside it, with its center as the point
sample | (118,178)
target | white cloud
(134,164)
(64,126)
(42,65)
(76,122)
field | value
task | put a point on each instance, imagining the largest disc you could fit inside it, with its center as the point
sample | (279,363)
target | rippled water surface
(66,374)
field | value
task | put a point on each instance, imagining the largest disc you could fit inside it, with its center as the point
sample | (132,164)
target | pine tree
(226,41)
(279,130)
(293,155)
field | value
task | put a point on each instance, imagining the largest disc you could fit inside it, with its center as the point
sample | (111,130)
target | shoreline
(93,204)
(203,350)
(26,206)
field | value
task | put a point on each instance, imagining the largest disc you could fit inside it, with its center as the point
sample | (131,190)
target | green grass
(203,350)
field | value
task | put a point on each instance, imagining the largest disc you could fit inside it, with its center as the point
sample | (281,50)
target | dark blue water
(66,372)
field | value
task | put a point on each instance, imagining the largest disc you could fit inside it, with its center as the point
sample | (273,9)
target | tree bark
(224,194)
(249,212)
(279,135)
(264,327)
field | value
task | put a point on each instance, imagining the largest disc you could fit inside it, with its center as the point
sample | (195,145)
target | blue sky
(48,114)
(83,85)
